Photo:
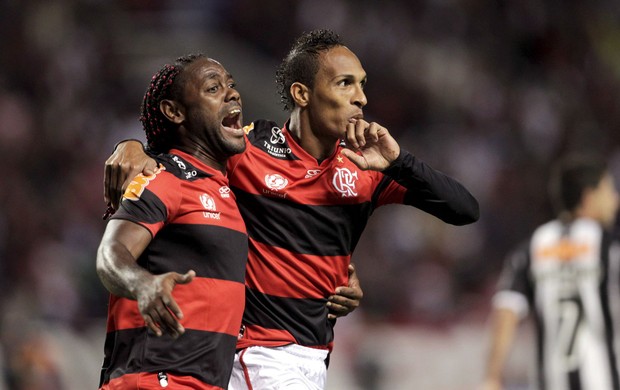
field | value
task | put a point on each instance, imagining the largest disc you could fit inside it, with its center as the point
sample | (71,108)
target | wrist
(130,140)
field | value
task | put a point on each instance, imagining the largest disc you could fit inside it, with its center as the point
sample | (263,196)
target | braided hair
(302,62)
(167,83)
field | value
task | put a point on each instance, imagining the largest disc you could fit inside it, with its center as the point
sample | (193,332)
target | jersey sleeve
(149,201)
(432,191)
(515,289)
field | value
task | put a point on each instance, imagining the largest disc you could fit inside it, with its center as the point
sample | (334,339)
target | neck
(204,156)
(319,147)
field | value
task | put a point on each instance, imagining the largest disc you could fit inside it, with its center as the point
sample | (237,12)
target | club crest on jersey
(139,183)
(209,204)
(224,191)
(344,182)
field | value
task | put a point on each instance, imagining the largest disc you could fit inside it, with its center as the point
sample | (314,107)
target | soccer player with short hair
(567,275)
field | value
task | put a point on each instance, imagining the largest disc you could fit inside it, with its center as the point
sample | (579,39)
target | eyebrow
(212,74)
(350,76)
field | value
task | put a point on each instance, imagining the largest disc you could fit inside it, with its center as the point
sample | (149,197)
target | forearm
(433,191)
(118,270)
(133,141)
(504,323)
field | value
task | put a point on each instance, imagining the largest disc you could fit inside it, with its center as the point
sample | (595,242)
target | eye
(344,83)
(213,88)
(232,85)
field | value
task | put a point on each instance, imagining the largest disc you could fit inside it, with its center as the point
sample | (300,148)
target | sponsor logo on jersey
(139,183)
(311,173)
(275,183)
(163,379)
(183,167)
(209,204)
(344,182)
(563,250)
(276,151)
(276,136)
(224,191)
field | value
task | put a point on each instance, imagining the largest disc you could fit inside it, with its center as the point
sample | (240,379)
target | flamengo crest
(344,182)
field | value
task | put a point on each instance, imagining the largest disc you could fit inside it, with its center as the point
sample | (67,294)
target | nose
(233,94)
(359,98)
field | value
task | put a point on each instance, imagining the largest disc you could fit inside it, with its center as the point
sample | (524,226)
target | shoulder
(180,168)
(260,129)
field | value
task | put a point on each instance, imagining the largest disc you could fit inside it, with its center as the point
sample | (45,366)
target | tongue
(230,121)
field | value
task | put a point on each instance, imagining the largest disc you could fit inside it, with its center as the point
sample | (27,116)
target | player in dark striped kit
(173,256)
(306,200)
(568,276)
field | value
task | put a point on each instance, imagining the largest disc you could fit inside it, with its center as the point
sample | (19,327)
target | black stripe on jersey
(180,167)
(181,247)
(316,230)
(207,356)
(383,184)
(151,210)
(301,315)
(268,137)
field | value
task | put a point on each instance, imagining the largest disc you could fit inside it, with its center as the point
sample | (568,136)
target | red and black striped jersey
(304,218)
(192,214)
(568,274)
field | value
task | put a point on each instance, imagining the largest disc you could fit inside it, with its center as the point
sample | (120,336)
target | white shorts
(291,367)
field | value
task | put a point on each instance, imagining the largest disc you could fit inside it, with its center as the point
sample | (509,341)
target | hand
(370,146)
(346,299)
(157,306)
(121,167)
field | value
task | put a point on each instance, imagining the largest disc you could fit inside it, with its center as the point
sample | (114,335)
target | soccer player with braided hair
(178,244)
(306,197)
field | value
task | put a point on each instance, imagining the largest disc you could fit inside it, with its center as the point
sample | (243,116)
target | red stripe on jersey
(254,332)
(211,305)
(254,335)
(201,201)
(156,381)
(292,275)
(335,181)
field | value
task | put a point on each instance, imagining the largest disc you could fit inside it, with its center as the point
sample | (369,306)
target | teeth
(235,111)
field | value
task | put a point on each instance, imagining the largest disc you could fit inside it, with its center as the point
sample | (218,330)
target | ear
(300,94)
(172,110)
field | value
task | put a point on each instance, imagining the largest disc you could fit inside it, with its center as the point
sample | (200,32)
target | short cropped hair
(571,177)
(301,64)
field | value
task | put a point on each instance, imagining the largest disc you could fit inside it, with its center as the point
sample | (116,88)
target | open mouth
(233,119)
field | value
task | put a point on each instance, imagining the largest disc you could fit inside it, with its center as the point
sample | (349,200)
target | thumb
(185,278)
(353,279)
(149,167)
(355,158)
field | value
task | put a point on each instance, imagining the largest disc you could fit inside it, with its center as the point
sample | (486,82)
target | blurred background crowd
(488,91)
